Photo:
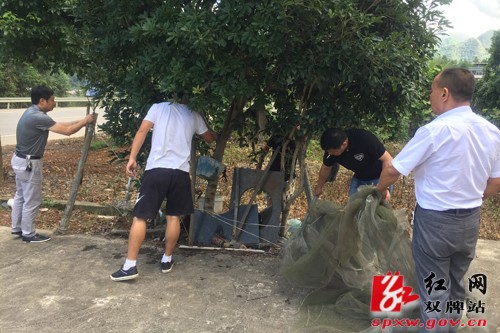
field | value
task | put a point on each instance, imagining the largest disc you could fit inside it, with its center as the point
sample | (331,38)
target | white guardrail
(8,101)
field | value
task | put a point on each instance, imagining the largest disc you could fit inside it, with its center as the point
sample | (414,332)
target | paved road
(10,117)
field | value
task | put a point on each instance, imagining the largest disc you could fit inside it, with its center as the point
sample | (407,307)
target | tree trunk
(235,110)
(300,154)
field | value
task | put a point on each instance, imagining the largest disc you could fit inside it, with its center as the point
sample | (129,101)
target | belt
(461,211)
(32,157)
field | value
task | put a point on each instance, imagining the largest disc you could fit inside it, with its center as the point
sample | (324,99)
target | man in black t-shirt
(355,149)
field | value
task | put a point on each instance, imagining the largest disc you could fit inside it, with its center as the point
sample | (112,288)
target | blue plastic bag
(209,168)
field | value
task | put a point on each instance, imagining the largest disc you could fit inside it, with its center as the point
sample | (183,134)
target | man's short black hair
(332,138)
(459,81)
(39,92)
(177,96)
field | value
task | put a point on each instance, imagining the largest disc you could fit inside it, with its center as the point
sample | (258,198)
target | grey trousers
(443,246)
(28,197)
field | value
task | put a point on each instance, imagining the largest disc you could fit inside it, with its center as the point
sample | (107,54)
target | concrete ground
(63,286)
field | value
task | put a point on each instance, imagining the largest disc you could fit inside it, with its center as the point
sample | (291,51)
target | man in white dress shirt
(455,160)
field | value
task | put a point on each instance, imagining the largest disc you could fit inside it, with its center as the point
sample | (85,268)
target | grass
(98,144)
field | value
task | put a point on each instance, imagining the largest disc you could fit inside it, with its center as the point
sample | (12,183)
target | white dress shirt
(452,158)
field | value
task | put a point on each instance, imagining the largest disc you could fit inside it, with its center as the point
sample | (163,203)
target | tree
(318,63)
(45,34)
(487,96)
(16,80)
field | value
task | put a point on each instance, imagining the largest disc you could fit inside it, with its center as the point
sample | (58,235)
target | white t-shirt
(452,158)
(173,130)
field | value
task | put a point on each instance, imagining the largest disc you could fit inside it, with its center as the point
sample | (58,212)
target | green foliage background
(487,97)
(16,80)
(317,63)
(314,63)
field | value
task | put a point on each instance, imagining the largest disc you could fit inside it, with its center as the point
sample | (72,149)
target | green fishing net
(336,253)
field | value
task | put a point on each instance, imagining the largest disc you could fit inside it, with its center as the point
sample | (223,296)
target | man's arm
(209,136)
(386,158)
(139,138)
(324,172)
(492,188)
(388,177)
(72,127)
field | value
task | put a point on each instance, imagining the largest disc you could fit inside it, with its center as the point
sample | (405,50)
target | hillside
(459,47)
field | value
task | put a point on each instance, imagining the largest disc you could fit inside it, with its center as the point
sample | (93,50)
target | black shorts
(159,184)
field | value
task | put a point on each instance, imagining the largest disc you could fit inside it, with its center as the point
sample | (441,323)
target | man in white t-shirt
(166,176)
(455,160)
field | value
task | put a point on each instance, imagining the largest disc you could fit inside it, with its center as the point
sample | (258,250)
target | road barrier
(21,102)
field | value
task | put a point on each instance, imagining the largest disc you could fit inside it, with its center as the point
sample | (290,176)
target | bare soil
(106,183)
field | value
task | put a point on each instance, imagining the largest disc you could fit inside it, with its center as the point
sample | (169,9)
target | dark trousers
(443,247)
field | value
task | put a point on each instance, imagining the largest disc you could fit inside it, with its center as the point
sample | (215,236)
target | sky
(473,17)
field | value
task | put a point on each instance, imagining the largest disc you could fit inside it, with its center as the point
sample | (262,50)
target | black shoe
(16,234)
(167,266)
(122,275)
(37,238)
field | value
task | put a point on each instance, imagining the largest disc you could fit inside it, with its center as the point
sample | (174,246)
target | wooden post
(2,174)
(307,187)
(236,203)
(192,170)
(63,225)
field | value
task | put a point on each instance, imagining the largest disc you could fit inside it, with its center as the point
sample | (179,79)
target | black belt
(461,210)
(33,157)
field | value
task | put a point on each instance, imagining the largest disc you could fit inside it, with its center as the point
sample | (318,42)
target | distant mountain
(459,47)
(485,38)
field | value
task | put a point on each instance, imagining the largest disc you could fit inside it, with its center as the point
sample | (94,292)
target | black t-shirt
(361,156)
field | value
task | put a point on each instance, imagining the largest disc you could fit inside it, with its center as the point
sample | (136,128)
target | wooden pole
(307,187)
(209,248)
(63,225)
(192,170)
(236,203)
(2,174)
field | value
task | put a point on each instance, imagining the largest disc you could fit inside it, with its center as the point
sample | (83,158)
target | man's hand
(324,172)
(131,168)
(90,118)
(318,190)
(385,195)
